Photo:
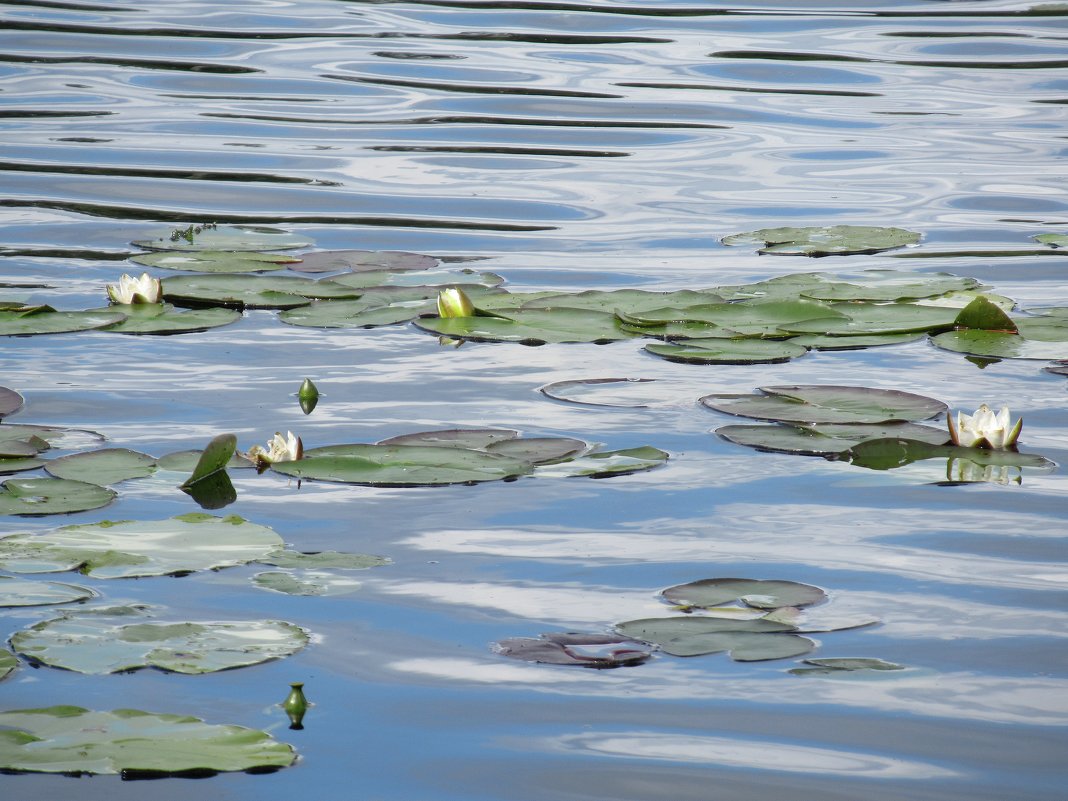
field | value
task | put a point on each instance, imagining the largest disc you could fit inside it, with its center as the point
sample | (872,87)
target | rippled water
(570,145)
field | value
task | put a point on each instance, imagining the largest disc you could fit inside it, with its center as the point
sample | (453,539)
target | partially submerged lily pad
(50,496)
(115,640)
(746,640)
(835,240)
(829,438)
(128,548)
(839,665)
(224,238)
(324,559)
(813,404)
(305,582)
(1000,345)
(10,401)
(892,452)
(18,592)
(216,261)
(758,593)
(103,467)
(578,649)
(8,663)
(331,261)
(73,740)
(605,464)
(46,320)
(1053,240)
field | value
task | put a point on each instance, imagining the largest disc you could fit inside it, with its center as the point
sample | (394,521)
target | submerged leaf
(305,583)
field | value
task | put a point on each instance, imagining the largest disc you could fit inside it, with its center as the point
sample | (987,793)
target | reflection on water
(566,145)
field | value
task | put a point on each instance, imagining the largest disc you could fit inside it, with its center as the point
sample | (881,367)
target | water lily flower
(984,429)
(453,302)
(145,289)
(279,449)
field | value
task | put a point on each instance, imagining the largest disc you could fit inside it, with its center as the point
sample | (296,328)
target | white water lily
(453,302)
(984,429)
(279,449)
(145,289)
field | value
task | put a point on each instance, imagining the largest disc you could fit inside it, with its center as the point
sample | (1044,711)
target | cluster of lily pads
(765,321)
(750,619)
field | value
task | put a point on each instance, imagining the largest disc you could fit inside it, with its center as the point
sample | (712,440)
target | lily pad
(46,320)
(845,664)
(746,640)
(331,261)
(50,496)
(474,438)
(51,436)
(427,278)
(324,559)
(402,465)
(8,663)
(115,640)
(18,464)
(73,740)
(374,308)
(760,594)
(605,464)
(829,342)
(875,319)
(10,401)
(821,440)
(305,583)
(251,291)
(748,318)
(182,544)
(890,453)
(727,351)
(1053,240)
(18,592)
(225,238)
(578,649)
(827,404)
(186,461)
(890,285)
(626,301)
(216,261)
(163,318)
(215,457)
(539,450)
(530,327)
(622,393)
(999,345)
(835,240)
(103,467)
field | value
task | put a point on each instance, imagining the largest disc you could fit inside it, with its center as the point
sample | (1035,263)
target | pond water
(565,146)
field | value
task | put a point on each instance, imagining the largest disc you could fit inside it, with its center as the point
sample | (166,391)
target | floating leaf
(402,465)
(727,351)
(163,318)
(539,450)
(216,261)
(50,496)
(821,440)
(870,319)
(998,345)
(330,261)
(373,308)
(115,640)
(530,327)
(847,664)
(626,301)
(324,559)
(473,438)
(8,663)
(10,401)
(985,315)
(624,393)
(429,278)
(224,238)
(9,465)
(890,453)
(251,291)
(1053,240)
(186,461)
(827,404)
(829,342)
(51,436)
(835,240)
(761,594)
(215,457)
(18,592)
(605,464)
(73,740)
(48,321)
(748,318)
(182,544)
(103,467)
(891,285)
(572,648)
(746,640)
(305,583)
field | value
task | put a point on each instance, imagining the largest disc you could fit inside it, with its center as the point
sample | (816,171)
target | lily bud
(453,302)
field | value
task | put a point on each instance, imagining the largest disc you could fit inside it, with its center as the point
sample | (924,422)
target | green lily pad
(402,465)
(890,453)
(622,393)
(829,438)
(368,311)
(539,450)
(18,464)
(324,559)
(891,285)
(8,663)
(425,278)
(751,318)
(108,466)
(813,404)
(829,342)
(18,592)
(10,401)
(473,438)
(835,240)
(332,261)
(727,351)
(999,345)
(626,301)
(45,320)
(115,640)
(21,447)
(50,496)
(1053,240)
(225,238)
(530,327)
(186,461)
(215,261)
(760,594)
(215,457)
(746,640)
(597,651)
(605,464)
(51,436)
(869,319)
(782,287)
(163,318)
(251,291)
(73,740)
(128,548)
(305,583)
(985,315)
(845,664)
